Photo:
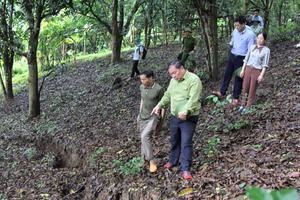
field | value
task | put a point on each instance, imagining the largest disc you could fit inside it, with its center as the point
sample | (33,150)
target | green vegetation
(45,127)
(95,155)
(30,153)
(132,167)
(2,197)
(220,123)
(212,146)
(261,194)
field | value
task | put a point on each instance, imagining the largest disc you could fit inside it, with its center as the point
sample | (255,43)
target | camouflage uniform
(190,63)
(188,45)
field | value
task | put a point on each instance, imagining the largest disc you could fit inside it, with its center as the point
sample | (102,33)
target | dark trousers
(135,68)
(182,141)
(183,56)
(233,63)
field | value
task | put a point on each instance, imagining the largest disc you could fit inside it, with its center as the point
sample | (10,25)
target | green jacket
(184,95)
(188,44)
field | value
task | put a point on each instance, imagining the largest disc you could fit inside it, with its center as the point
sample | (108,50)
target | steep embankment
(79,147)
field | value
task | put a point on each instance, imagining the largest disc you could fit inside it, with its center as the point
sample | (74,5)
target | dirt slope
(87,132)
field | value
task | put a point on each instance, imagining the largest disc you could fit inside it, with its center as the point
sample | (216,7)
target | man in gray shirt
(241,40)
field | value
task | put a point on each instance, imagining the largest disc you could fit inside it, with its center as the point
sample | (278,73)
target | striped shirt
(258,57)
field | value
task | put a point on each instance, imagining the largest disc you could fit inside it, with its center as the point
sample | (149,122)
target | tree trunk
(8,65)
(165,27)
(266,25)
(116,48)
(209,25)
(279,18)
(116,39)
(34,97)
(267,7)
(3,86)
(146,32)
(245,6)
(7,10)
(34,31)
(213,42)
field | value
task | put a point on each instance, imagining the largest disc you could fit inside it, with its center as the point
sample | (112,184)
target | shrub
(261,194)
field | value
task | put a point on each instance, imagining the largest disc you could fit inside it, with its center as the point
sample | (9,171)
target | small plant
(30,153)
(202,74)
(2,154)
(2,197)
(212,146)
(261,194)
(40,184)
(258,147)
(98,151)
(45,127)
(237,125)
(212,99)
(258,109)
(132,167)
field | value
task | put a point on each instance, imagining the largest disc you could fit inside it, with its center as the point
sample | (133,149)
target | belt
(253,67)
(237,55)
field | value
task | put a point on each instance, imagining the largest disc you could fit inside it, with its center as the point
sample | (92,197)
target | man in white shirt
(256,17)
(137,56)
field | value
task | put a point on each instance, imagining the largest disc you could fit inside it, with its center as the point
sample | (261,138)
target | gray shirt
(258,57)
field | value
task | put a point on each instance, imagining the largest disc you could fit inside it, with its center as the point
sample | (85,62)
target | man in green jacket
(188,46)
(183,94)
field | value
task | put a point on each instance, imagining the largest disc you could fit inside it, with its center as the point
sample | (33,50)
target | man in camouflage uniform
(188,47)
(190,63)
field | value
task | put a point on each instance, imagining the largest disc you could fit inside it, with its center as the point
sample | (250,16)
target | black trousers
(233,63)
(135,68)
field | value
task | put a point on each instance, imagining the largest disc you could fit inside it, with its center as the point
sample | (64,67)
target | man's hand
(156,110)
(182,116)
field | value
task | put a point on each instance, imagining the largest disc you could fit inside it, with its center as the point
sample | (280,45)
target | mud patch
(66,154)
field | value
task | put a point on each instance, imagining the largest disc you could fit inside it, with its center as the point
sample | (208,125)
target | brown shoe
(153,166)
(218,94)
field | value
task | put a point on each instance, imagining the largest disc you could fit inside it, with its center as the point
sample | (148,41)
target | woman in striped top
(254,68)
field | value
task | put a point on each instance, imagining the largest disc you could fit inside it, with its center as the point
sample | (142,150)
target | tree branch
(104,23)
(253,3)
(44,78)
(134,9)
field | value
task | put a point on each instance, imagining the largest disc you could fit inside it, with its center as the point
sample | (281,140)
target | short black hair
(265,35)
(240,19)
(177,63)
(256,9)
(148,73)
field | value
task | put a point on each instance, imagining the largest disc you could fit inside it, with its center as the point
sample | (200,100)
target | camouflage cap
(188,30)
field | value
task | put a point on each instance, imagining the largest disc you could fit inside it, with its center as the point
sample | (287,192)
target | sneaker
(241,108)
(152,166)
(218,94)
(243,111)
(186,175)
(168,165)
(235,102)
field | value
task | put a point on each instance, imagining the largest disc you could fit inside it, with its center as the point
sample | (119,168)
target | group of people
(248,60)
(183,94)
